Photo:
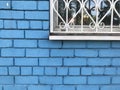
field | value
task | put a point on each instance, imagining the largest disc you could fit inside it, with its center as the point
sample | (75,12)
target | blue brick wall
(29,61)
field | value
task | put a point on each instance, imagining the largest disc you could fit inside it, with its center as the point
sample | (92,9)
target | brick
(1,23)
(49,44)
(26,61)
(116,80)
(50,71)
(98,44)
(86,71)
(43,5)
(116,62)
(11,34)
(0,87)
(50,80)
(6,61)
(74,71)
(39,15)
(24,5)
(37,53)
(98,71)
(86,53)
(109,53)
(5,43)
(3,5)
(10,24)
(99,61)
(39,87)
(63,87)
(36,25)
(74,80)
(25,43)
(115,44)
(62,71)
(8,14)
(99,80)
(3,71)
(12,52)
(111,87)
(26,80)
(87,87)
(46,25)
(74,44)
(37,34)
(6,80)
(15,87)
(23,24)
(50,61)
(26,70)
(110,71)
(38,70)
(62,53)
(14,71)
(118,71)
(75,62)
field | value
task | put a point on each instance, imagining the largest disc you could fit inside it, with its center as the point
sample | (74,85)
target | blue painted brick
(26,61)
(110,71)
(39,15)
(39,87)
(116,62)
(5,43)
(37,34)
(46,25)
(99,80)
(75,62)
(74,44)
(0,87)
(116,80)
(50,71)
(116,44)
(10,24)
(25,43)
(98,71)
(8,14)
(118,71)
(3,71)
(14,71)
(50,61)
(50,80)
(26,70)
(74,71)
(86,53)
(12,52)
(11,34)
(62,53)
(38,70)
(111,87)
(63,87)
(36,25)
(74,80)
(99,61)
(43,5)
(109,53)
(15,87)
(1,23)
(24,5)
(87,87)
(23,24)
(37,53)
(6,61)
(98,44)
(62,71)
(3,5)
(6,80)
(49,44)
(26,80)
(86,71)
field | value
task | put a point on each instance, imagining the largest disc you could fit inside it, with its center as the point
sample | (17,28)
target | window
(85,19)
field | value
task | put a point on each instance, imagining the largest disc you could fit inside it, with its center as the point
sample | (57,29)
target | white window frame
(80,35)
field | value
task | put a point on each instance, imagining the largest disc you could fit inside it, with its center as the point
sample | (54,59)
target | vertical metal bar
(112,13)
(51,15)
